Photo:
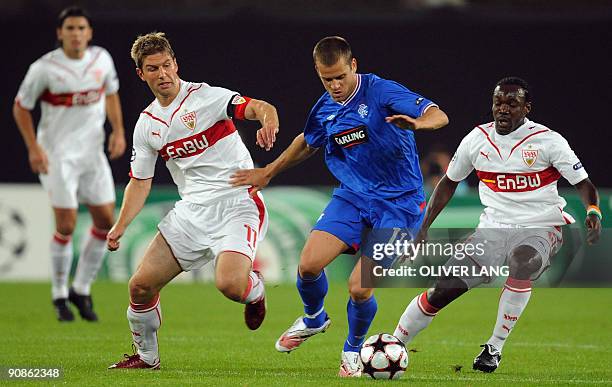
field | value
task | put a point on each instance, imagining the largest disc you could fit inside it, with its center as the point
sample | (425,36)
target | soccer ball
(384,357)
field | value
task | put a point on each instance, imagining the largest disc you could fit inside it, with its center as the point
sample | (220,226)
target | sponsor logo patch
(530,156)
(577,166)
(352,137)
(189,120)
(238,100)
(419,100)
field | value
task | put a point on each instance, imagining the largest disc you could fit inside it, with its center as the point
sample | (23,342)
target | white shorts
(197,234)
(70,182)
(498,240)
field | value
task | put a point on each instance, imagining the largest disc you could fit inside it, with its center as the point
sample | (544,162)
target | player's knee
(360,294)
(140,292)
(230,287)
(66,227)
(524,260)
(445,291)
(310,265)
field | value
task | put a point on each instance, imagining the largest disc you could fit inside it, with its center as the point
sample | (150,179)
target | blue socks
(313,291)
(360,316)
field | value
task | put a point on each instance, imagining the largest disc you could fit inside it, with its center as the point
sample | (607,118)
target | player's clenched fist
(112,239)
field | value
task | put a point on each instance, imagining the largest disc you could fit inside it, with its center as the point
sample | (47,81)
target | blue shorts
(349,215)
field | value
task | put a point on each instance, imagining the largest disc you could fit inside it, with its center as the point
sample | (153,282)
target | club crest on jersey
(530,156)
(189,120)
(363,110)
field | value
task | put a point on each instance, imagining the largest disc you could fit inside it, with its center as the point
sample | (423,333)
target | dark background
(453,55)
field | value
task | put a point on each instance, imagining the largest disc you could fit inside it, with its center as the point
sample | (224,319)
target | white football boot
(297,333)
(350,365)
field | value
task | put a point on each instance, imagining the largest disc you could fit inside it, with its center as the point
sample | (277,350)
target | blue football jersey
(366,154)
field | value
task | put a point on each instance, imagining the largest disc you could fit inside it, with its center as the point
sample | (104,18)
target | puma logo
(156,134)
(485,155)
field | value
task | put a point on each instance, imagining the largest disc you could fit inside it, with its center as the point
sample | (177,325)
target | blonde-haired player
(190,126)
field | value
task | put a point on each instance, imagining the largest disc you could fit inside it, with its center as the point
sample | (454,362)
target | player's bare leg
(424,307)
(61,260)
(320,249)
(524,261)
(158,267)
(93,250)
(361,309)
(237,281)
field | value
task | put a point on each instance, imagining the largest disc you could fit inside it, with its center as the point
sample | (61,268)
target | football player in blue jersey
(365,126)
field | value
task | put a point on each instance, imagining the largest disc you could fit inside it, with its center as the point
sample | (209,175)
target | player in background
(518,162)
(360,122)
(190,126)
(78,88)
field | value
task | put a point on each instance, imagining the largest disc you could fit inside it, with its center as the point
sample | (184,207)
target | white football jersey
(196,137)
(72,100)
(518,173)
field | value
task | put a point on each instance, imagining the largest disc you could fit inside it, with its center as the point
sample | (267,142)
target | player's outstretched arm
(442,194)
(116,140)
(259,178)
(590,198)
(433,119)
(36,155)
(136,193)
(266,114)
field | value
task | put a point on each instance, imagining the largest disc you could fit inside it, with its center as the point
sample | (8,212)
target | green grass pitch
(563,337)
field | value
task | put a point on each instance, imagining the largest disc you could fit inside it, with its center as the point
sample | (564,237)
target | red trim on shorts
(191,90)
(248,289)
(138,178)
(61,239)
(158,316)
(261,207)
(425,306)
(240,109)
(237,252)
(149,306)
(490,141)
(99,234)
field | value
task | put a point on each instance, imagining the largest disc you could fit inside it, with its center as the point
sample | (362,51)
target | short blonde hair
(149,44)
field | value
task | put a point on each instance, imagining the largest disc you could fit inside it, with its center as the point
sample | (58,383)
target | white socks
(254,290)
(513,300)
(417,316)
(92,254)
(61,260)
(145,320)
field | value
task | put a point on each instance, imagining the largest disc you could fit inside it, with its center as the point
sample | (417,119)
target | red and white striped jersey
(518,173)
(72,103)
(196,137)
